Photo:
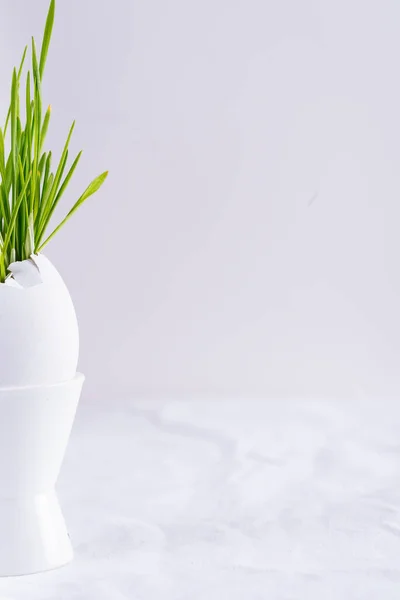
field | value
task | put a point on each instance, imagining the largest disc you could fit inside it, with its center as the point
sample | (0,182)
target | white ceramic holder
(39,394)
(34,429)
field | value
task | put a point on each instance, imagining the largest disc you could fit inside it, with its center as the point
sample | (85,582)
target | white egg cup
(39,394)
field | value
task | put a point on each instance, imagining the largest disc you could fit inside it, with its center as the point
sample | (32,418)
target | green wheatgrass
(30,189)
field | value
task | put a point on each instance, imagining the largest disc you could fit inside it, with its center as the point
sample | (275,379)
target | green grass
(31,187)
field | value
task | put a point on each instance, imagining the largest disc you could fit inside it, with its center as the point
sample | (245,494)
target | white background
(246,241)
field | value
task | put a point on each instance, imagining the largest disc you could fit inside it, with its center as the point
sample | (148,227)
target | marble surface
(239,499)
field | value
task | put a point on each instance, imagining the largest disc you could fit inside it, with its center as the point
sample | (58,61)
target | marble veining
(205,499)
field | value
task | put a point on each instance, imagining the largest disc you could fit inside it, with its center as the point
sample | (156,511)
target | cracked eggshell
(39,338)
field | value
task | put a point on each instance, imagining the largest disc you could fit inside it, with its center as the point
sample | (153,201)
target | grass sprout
(30,186)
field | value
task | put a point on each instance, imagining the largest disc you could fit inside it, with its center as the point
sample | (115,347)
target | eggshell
(39,338)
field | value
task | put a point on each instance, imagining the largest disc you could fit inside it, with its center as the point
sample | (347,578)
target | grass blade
(8,173)
(37,121)
(18,77)
(49,207)
(45,126)
(11,225)
(2,160)
(44,219)
(28,104)
(47,36)
(47,169)
(91,189)
(30,237)
(23,215)
(14,146)
(48,213)
(68,177)
(22,63)
(5,209)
